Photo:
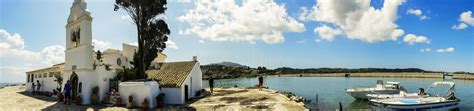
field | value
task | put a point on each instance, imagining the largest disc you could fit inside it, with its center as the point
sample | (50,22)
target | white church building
(179,81)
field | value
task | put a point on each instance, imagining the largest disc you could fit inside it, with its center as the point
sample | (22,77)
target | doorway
(186,92)
(74,79)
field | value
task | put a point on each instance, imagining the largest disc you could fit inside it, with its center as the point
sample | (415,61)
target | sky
(437,35)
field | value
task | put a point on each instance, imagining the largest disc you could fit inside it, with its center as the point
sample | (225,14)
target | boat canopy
(449,92)
(389,82)
(443,83)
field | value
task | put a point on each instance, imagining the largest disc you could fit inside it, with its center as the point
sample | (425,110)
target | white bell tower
(79,48)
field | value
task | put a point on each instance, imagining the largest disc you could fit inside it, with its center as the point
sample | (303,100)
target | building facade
(85,70)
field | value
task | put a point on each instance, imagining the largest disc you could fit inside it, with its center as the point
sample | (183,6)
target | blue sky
(277,33)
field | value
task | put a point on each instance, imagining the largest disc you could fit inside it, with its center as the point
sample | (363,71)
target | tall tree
(152,30)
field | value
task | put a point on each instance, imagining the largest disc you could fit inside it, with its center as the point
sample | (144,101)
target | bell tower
(79,48)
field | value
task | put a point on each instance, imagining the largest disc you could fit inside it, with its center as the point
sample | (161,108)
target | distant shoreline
(389,74)
(374,74)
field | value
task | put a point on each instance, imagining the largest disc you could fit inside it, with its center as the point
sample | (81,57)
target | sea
(331,90)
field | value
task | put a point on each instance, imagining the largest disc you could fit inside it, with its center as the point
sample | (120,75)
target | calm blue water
(331,89)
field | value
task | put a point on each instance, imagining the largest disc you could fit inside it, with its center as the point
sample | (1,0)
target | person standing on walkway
(38,86)
(211,84)
(67,93)
(260,82)
(33,85)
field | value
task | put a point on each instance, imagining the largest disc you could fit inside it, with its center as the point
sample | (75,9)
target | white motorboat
(445,101)
(380,88)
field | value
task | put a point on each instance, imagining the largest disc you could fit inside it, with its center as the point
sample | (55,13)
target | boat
(444,101)
(380,88)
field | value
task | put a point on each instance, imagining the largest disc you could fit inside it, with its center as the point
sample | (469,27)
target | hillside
(235,70)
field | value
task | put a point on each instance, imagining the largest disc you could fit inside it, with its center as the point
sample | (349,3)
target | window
(76,37)
(51,74)
(57,74)
(28,78)
(45,74)
(119,62)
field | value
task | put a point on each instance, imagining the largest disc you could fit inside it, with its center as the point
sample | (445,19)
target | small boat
(380,88)
(446,101)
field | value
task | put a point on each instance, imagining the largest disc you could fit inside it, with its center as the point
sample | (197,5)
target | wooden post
(340,107)
(317,102)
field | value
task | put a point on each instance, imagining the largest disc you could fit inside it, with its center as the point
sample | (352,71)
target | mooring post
(317,102)
(340,107)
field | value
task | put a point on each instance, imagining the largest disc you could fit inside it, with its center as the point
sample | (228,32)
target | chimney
(195,58)
(157,66)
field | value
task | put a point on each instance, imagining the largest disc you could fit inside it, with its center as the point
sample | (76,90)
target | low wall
(139,91)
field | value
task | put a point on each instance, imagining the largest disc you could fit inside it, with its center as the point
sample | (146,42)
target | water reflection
(359,104)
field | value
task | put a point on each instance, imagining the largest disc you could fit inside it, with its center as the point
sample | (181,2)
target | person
(38,86)
(421,92)
(211,84)
(260,82)
(67,93)
(33,86)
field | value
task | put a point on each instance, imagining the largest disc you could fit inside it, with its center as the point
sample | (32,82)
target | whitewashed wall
(81,57)
(47,84)
(88,78)
(103,77)
(176,95)
(139,91)
(196,74)
(173,95)
(112,60)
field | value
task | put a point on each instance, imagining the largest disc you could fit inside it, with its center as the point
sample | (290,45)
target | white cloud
(447,50)
(226,20)
(172,45)
(133,43)
(459,27)
(357,19)
(101,45)
(13,45)
(412,39)
(425,50)
(327,33)
(16,60)
(317,40)
(53,54)
(201,41)
(418,13)
(184,1)
(125,17)
(169,44)
(466,19)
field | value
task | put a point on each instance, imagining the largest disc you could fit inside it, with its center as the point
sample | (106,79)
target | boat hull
(440,106)
(363,94)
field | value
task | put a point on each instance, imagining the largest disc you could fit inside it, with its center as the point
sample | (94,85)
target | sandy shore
(13,98)
(396,75)
(236,99)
